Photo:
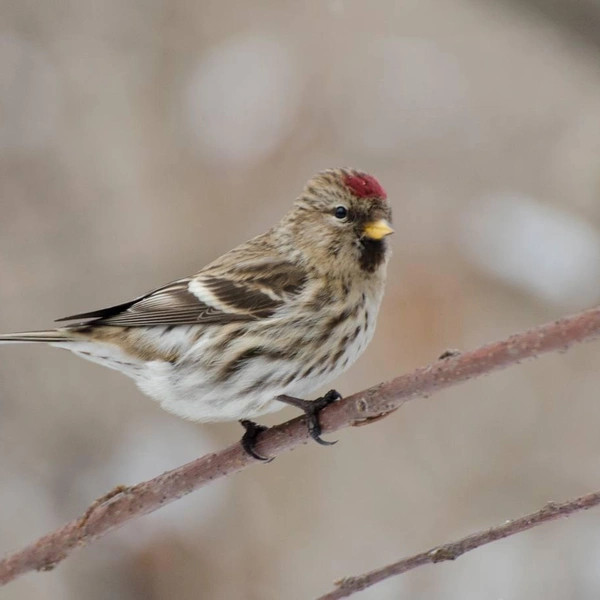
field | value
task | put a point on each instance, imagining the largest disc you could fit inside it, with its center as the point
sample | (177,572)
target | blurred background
(140,140)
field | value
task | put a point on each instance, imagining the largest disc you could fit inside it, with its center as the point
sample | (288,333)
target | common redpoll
(270,320)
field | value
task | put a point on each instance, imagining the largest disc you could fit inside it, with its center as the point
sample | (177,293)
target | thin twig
(350,585)
(125,503)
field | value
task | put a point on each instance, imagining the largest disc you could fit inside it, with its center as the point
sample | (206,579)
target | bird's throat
(372,254)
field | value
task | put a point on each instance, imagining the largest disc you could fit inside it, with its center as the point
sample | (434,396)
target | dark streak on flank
(259,383)
(343,342)
(337,355)
(239,361)
(224,343)
(324,369)
(291,350)
(289,379)
(308,371)
(330,326)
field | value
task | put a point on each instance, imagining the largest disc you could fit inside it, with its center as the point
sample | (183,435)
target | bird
(262,326)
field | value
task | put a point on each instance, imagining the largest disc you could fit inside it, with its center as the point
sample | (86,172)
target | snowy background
(141,139)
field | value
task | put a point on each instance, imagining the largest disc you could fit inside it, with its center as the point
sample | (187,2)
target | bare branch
(350,585)
(127,502)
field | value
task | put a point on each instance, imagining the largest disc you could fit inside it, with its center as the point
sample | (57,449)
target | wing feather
(246,293)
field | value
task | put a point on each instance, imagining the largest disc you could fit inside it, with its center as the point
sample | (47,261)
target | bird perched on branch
(265,324)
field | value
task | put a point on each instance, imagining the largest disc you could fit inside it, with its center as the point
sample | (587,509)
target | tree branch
(127,502)
(350,585)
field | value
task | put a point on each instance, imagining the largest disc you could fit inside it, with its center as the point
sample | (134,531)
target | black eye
(341,212)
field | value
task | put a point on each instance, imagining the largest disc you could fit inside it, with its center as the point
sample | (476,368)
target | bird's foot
(311,409)
(248,441)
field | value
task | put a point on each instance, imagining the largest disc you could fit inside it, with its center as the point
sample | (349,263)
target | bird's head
(343,218)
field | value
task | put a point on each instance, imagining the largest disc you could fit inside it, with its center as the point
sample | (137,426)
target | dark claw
(248,441)
(312,416)
(311,409)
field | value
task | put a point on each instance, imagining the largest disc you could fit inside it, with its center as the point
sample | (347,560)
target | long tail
(50,336)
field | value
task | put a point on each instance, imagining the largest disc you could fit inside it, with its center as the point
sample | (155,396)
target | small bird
(263,325)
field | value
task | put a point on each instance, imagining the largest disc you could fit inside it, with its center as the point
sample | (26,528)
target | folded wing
(247,292)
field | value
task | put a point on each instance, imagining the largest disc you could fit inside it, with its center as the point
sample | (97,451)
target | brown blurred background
(139,140)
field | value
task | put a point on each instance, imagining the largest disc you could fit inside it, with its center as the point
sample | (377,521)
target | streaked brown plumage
(278,316)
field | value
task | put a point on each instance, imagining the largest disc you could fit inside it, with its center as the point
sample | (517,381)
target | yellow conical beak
(377,230)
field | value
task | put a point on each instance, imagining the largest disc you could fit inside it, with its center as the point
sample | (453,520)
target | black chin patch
(372,254)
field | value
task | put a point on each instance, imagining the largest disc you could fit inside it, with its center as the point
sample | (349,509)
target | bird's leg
(248,441)
(311,409)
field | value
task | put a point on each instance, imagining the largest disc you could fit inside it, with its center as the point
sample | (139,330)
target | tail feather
(50,336)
